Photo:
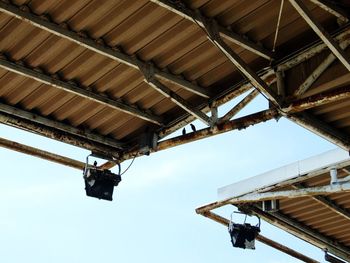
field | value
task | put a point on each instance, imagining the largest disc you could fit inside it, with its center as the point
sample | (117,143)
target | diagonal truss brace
(183,11)
(318,71)
(148,72)
(23,13)
(79,91)
(214,37)
(321,32)
(244,102)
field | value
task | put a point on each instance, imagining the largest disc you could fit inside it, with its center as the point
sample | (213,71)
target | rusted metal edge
(60,126)
(223,221)
(236,124)
(58,135)
(18,147)
(318,100)
(290,194)
(85,92)
(181,10)
(96,45)
(301,231)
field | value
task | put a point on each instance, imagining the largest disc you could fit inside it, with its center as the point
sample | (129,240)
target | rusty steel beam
(44,78)
(58,135)
(319,30)
(193,16)
(318,100)
(237,108)
(96,45)
(322,129)
(18,147)
(318,71)
(302,231)
(236,124)
(332,9)
(290,194)
(291,252)
(36,118)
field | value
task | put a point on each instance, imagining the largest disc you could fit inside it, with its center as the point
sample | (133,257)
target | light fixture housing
(243,235)
(100,183)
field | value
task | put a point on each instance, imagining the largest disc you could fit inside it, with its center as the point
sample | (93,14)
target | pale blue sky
(46,217)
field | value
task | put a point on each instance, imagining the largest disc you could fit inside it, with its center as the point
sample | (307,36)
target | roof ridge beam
(148,72)
(305,13)
(96,45)
(229,35)
(38,75)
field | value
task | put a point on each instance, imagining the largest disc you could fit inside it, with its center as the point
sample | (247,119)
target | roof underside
(320,218)
(84,65)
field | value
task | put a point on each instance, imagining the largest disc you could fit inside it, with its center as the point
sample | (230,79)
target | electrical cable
(277,26)
(127,167)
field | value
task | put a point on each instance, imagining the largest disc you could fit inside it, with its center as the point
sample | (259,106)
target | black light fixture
(99,183)
(243,235)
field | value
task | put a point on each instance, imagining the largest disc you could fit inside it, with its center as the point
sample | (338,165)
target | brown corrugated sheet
(153,34)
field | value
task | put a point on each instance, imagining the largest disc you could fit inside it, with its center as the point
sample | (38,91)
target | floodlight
(99,183)
(243,235)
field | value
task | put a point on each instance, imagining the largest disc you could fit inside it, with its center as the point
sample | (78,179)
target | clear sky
(46,217)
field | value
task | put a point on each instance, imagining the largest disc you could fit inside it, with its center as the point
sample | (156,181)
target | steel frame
(293,109)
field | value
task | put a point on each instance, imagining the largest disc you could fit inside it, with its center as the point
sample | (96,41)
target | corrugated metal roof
(154,34)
